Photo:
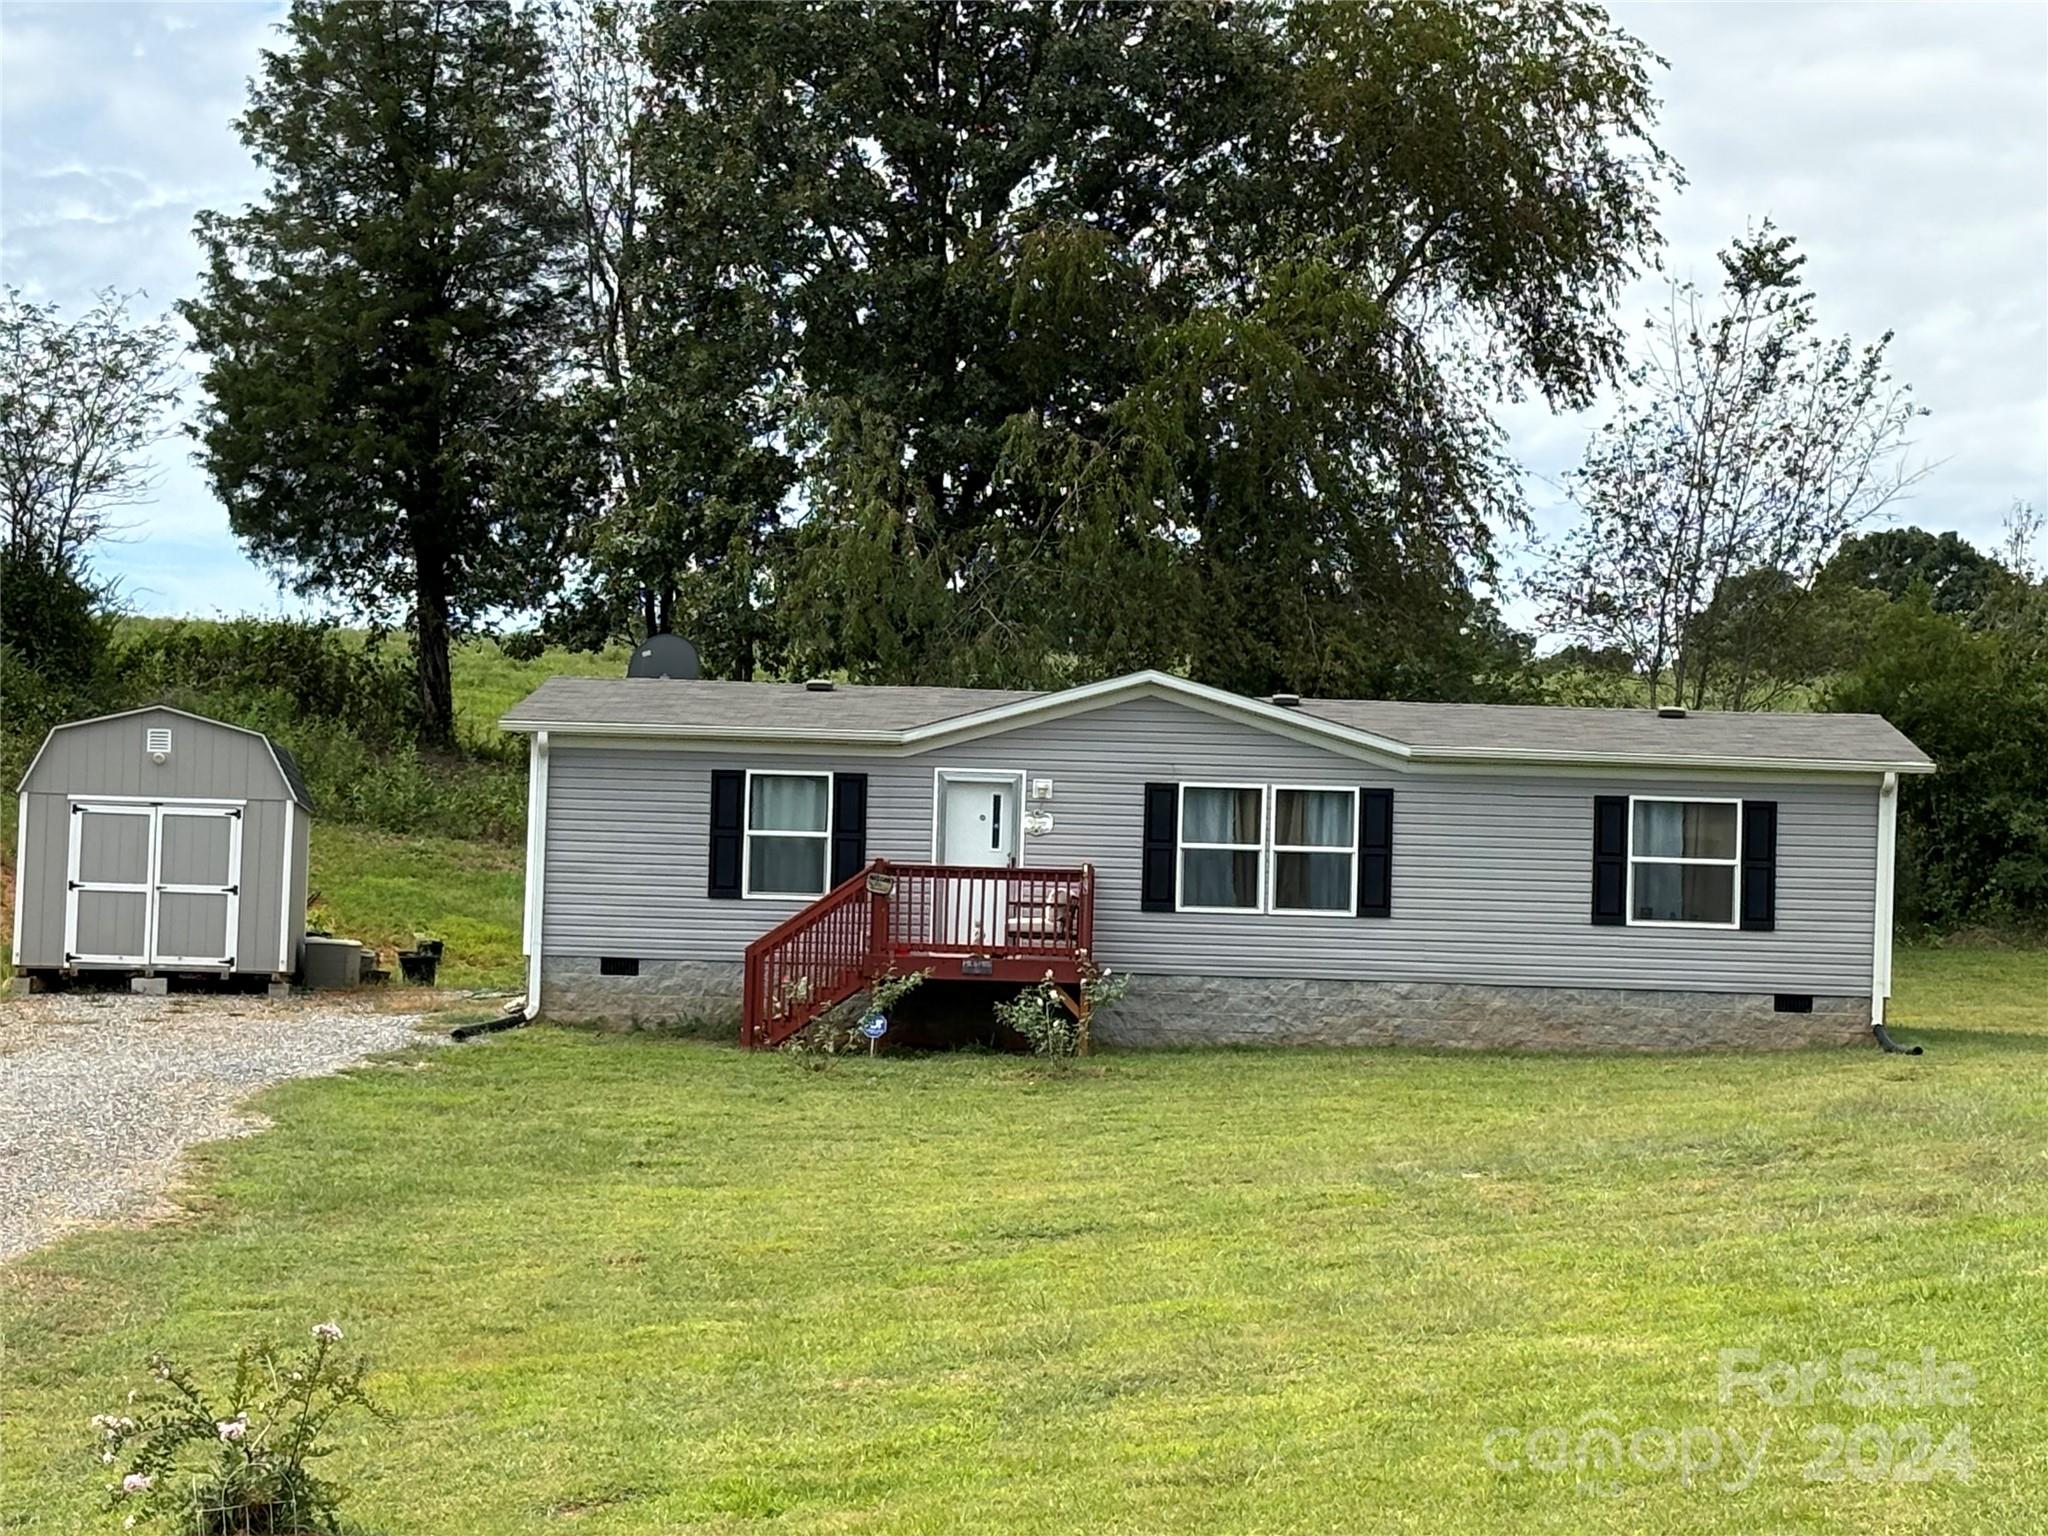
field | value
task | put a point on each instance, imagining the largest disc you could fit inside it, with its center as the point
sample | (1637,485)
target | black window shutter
(1162,816)
(1760,865)
(1375,853)
(728,830)
(1610,859)
(849,825)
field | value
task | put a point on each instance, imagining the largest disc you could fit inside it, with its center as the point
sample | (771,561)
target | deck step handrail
(809,962)
(1003,923)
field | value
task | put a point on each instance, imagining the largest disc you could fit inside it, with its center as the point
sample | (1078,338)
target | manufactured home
(161,843)
(1268,869)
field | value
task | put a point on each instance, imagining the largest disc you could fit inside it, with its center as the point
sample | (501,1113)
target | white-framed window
(789,834)
(1684,862)
(1222,846)
(1314,847)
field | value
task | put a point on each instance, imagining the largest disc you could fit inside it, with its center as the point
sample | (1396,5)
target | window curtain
(1219,877)
(1317,818)
(1684,829)
(785,803)
(1220,816)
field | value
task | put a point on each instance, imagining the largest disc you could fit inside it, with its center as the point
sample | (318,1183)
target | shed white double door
(153,884)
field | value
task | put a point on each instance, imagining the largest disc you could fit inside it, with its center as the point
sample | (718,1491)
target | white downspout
(1887,860)
(536,863)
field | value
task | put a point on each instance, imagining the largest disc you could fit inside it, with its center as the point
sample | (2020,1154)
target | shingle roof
(752,707)
(1442,732)
(1446,729)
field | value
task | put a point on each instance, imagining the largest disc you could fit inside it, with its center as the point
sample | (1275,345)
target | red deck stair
(956,921)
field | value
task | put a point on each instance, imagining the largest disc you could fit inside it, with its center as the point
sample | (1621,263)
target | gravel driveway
(101,1091)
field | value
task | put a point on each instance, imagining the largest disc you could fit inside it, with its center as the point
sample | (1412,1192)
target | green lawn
(624,1284)
(382,889)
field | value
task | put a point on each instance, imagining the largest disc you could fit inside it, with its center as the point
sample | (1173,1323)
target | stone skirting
(1239,1010)
(1232,1010)
(698,995)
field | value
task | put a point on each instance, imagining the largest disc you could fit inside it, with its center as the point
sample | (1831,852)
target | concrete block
(280,989)
(150,986)
(25,986)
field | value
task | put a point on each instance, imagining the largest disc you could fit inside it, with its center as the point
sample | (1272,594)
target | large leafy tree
(1960,579)
(1153,334)
(381,328)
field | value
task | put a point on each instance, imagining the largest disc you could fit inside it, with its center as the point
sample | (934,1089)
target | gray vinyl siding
(1491,872)
(207,762)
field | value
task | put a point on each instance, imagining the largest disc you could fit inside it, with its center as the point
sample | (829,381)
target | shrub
(53,623)
(1044,1015)
(838,1033)
(236,1467)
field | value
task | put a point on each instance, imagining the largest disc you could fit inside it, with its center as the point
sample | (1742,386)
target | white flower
(327,1333)
(233,1429)
(137,1482)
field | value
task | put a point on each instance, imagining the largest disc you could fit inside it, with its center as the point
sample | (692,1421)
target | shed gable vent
(156,742)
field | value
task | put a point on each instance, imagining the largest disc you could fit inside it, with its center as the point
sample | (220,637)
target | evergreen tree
(382,326)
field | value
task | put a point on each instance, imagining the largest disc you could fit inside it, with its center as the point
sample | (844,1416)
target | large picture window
(789,833)
(1315,848)
(1683,859)
(1222,845)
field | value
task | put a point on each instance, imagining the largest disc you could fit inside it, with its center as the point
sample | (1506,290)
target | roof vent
(1286,700)
(818,684)
(1671,712)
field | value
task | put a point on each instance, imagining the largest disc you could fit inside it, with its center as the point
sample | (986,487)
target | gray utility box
(332,962)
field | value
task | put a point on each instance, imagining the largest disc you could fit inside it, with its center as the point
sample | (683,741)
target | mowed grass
(626,1284)
(382,889)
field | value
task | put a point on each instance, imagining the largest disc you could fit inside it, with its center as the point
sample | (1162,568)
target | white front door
(977,829)
(979,818)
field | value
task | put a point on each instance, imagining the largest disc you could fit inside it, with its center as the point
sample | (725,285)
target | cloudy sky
(1905,144)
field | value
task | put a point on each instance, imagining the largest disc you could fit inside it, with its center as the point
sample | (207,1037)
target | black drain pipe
(1892,1047)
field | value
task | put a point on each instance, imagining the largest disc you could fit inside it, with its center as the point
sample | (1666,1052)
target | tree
(382,330)
(1973,837)
(1745,442)
(676,379)
(80,403)
(1959,579)
(1117,335)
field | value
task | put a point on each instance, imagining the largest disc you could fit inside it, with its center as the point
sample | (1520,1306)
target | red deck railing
(957,921)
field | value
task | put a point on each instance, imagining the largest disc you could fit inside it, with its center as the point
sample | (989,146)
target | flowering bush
(1056,1027)
(818,1044)
(235,1467)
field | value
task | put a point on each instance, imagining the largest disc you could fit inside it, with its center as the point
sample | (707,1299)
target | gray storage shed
(160,841)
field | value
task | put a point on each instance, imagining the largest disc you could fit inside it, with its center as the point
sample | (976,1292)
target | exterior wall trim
(284,897)
(1887,861)
(536,862)
(20,863)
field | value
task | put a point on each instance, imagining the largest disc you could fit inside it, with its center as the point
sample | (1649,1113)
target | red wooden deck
(955,921)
